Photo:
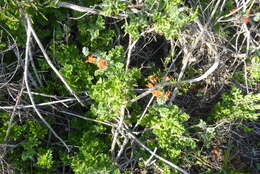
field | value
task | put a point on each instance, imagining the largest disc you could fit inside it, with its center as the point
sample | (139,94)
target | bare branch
(51,64)
(29,32)
(41,104)
(88,10)
(209,71)
(157,156)
(13,112)
(17,53)
(122,115)
(144,112)
(129,53)
(88,119)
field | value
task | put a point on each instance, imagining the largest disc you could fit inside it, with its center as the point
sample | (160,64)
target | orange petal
(157,93)
(149,85)
(91,59)
(153,79)
(245,20)
(167,94)
(102,64)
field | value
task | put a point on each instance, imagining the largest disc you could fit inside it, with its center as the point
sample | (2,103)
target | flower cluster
(158,93)
(101,64)
(245,18)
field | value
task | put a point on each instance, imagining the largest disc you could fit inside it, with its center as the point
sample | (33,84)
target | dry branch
(29,32)
(51,64)
(88,10)
(40,104)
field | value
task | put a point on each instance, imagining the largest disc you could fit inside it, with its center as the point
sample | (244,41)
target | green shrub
(100,74)
(168,132)
(28,136)
(92,154)
(46,159)
(236,106)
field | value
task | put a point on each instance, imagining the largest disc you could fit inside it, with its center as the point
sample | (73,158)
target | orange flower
(157,93)
(249,14)
(234,10)
(149,85)
(167,94)
(245,20)
(101,64)
(153,79)
(91,59)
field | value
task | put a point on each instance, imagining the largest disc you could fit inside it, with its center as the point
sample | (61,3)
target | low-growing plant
(131,90)
(166,125)
(235,105)
(45,160)
(28,137)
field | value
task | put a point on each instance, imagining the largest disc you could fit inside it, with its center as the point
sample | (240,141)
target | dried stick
(88,119)
(17,53)
(148,162)
(214,11)
(29,32)
(132,45)
(51,64)
(157,156)
(13,112)
(122,148)
(37,93)
(144,112)
(122,115)
(187,55)
(88,10)
(130,48)
(35,70)
(40,94)
(203,76)
(41,104)
(209,71)
(143,94)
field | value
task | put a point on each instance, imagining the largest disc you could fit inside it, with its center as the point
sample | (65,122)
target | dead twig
(157,156)
(121,119)
(13,112)
(88,10)
(29,32)
(88,119)
(51,64)
(40,104)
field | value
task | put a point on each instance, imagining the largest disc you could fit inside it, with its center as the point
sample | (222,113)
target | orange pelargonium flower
(153,79)
(101,64)
(91,59)
(149,85)
(157,93)
(245,20)
(167,94)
